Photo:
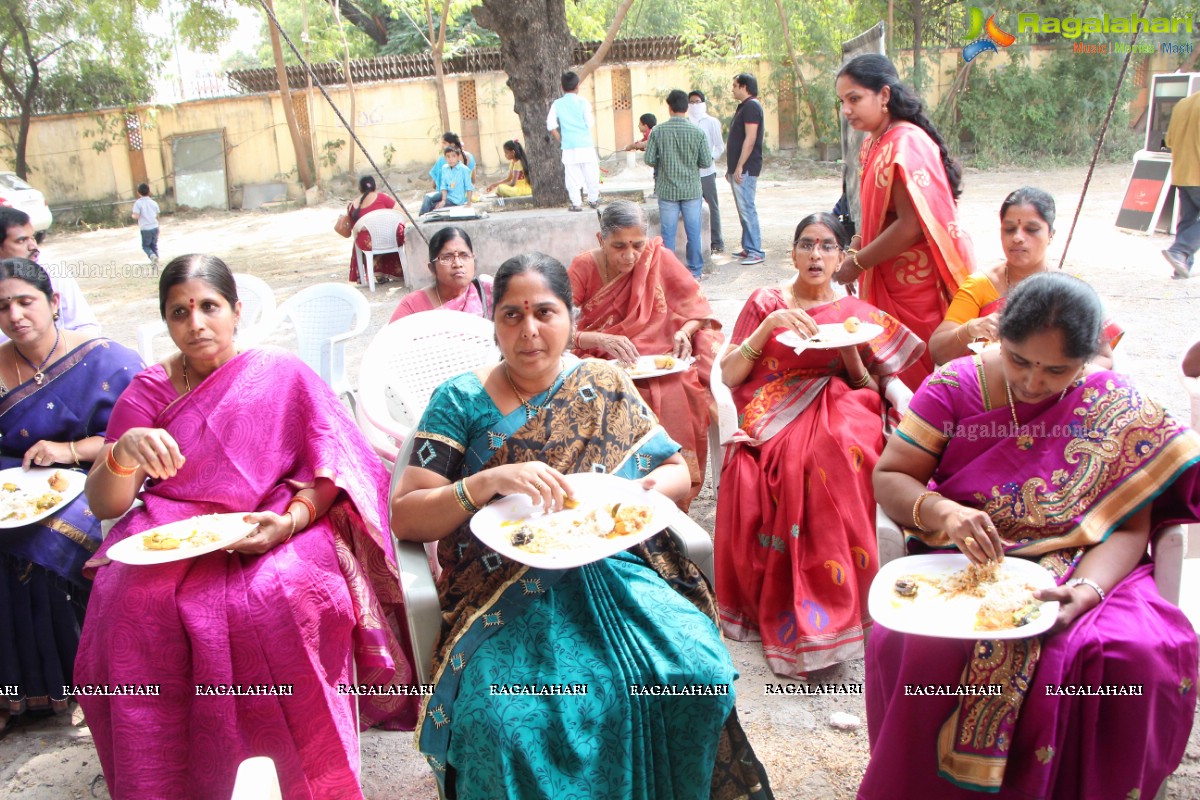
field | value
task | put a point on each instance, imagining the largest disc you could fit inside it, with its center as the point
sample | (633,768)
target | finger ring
(970,540)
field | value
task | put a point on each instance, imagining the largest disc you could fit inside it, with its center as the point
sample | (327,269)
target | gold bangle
(916,514)
(308,504)
(467,494)
(861,383)
(116,467)
(964,327)
(854,258)
(464,500)
(748,352)
(74,452)
(292,532)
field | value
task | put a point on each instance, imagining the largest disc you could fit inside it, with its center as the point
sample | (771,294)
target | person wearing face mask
(698,114)
(636,299)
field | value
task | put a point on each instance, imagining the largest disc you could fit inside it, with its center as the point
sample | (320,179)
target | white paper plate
(644,367)
(930,614)
(980,346)
(591,489)
(831,336)
(35,482)
(231,528)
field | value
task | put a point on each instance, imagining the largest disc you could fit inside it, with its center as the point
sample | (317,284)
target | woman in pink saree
(251,650)
(913,252)
(1027,451)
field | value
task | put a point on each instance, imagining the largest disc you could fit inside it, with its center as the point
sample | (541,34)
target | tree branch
(367,23)
(602,51)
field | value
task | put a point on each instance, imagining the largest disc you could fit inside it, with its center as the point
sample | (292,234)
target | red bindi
(192,302)
(526,305)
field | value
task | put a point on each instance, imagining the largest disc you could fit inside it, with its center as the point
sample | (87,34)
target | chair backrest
(323,315)
(382,224)
(412,356)
(258,317)
(727,420)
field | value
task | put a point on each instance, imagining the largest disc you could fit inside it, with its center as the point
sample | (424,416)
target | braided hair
(519,151)
(873,71)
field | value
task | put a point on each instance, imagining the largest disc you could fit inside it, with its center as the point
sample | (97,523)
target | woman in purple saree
(55,416)
(1029,451)
(308,602)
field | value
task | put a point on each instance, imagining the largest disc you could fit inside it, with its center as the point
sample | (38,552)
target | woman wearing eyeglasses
(795,535)
(636,299)
(455,286)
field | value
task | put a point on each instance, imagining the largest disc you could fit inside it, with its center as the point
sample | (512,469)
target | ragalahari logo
(984,36)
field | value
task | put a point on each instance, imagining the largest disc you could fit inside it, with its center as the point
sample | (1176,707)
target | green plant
(330,150)
(389,152)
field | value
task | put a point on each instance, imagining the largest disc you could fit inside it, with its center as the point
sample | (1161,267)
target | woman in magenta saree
(913,252)
(795,542)
(1030,451)
(309,602)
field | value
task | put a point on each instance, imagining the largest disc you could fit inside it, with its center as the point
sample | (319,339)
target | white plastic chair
(325,317)
(382,225)
(258,317)
(257,780)
(406,361)
(416,566)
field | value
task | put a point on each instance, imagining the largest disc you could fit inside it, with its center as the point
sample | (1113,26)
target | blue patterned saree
(539,674)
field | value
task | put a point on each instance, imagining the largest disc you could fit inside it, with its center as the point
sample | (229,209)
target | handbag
(343,226)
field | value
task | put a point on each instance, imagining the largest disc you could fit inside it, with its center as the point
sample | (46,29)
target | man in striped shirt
(679,150)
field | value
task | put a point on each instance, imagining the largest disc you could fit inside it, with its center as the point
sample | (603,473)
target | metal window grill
(468,108)
(133,131)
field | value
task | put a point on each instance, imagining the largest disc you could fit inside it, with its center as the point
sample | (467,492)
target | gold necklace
(531,410)
(1024,441)
(186,383)
(438,290)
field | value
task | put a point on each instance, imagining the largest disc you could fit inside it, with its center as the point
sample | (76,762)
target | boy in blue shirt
(145,211)
(453,183)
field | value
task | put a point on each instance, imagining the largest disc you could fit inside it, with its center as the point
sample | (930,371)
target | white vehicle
(18,194)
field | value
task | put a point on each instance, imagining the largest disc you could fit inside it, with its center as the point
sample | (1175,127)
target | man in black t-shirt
(744,154)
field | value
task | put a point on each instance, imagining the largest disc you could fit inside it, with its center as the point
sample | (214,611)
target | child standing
(453,183)
(145,211)
(646,123)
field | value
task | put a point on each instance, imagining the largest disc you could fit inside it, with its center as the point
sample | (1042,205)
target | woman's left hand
(1074,602)
(683,344)
(273,530)
(45,454)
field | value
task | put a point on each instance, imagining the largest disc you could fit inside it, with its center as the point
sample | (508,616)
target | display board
(1147,191)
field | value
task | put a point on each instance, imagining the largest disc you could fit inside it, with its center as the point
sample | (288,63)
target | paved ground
(805,757)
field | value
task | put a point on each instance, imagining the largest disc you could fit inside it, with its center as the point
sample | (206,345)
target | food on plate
(11,487)
(564,531)
(994,599)
(664,362)
(165,541)
(17,504)
(851,324)
(58,482)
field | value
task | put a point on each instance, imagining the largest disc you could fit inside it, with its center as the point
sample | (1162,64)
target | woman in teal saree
(644,617)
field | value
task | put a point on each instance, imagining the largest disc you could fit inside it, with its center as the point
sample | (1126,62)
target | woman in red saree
(387,265)
(795,536)
(279,628)
(636,299)
(1028,451)
(1026,229)
(913,253)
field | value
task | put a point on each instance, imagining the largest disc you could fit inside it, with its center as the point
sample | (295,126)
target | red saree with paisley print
(795,535)
(917,285)
(1064,480)
(648,305)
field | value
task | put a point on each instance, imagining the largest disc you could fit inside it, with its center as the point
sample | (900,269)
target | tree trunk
(437,47)
(303,157)
(24,95)
(337,20)
(535,48)
(588,67)
(818,128)
(918,21)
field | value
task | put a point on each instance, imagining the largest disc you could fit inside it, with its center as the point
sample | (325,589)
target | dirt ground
(805,757)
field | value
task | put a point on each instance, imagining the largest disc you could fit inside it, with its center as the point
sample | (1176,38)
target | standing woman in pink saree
(309,596)
(913,254)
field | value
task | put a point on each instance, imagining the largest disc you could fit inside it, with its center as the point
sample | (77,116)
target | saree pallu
(795,548)
(301,616)
(42,590)
(648,305)
(643,617)
(1055,486)
(917,285)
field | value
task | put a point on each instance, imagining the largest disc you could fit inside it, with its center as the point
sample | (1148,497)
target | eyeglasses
(808,245)
(694,101)
(446,259)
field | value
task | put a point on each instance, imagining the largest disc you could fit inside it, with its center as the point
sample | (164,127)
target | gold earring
(885,108)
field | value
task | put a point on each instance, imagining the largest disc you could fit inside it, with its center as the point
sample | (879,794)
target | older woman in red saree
(636,299)
(307,601)
(795,542)
(913,253)
(1026,451)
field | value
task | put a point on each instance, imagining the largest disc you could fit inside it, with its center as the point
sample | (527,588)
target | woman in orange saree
(637,299)
(913,254)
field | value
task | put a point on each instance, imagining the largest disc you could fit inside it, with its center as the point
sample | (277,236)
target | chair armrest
(145,339)
(423,610)
(106,525)
(694,541)
(1167,549)
(889,539)
(256,779)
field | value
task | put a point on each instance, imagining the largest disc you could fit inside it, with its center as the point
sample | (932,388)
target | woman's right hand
(540,482)
(794,319)
(619,347)
(492,187)
(984,328)
(152,449)
(972,531)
